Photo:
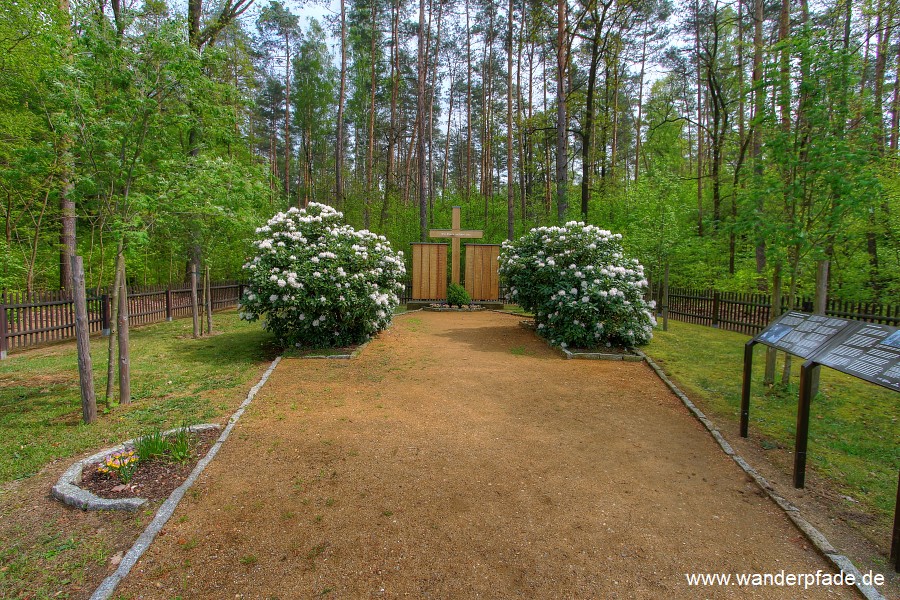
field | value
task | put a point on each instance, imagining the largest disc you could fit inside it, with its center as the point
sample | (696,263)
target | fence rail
(28,320)
(751,313)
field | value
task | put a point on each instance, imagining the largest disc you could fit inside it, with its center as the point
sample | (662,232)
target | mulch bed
(153,479)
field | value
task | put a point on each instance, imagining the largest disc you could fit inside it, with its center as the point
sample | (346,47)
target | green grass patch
(854,438)
(174,378)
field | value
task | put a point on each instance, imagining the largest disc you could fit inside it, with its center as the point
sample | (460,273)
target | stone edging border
(105,590)
(68,491)
(815,536)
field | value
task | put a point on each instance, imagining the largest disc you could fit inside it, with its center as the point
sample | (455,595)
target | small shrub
(457,295)
(317,282)
(582,290)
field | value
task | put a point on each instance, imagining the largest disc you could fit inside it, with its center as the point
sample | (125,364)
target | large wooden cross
(455,234)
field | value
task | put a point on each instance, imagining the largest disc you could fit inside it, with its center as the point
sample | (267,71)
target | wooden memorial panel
(483,271)
(429,271)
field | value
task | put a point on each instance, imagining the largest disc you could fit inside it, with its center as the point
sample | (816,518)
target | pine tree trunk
(339,136)
(370,155)
(561,119)
(510,192)
(420,116)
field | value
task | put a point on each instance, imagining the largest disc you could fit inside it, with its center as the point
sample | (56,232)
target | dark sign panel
(801,334)
(871,352)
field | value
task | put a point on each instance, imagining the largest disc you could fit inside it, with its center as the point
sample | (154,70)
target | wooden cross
(455,233)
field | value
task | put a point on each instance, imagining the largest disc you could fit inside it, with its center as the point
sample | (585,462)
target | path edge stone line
(815,537)
(69,492)
(106,588)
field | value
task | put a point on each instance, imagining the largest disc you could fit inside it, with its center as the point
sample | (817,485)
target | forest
(745,145)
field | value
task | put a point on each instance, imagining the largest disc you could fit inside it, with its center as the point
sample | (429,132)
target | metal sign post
(867,351)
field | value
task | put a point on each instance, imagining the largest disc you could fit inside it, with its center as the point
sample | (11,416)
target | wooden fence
(751,313)
(28,320)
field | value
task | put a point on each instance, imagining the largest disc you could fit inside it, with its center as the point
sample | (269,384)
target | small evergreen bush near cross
(317,282)
(457,295)
(582,290)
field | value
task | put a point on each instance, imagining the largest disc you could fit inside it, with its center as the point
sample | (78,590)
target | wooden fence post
(4,328)
(105,314)
(82,336)
(715,315)
(168,303)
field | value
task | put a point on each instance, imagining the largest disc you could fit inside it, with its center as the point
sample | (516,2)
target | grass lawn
(48,550)
(174,379)
(854,438)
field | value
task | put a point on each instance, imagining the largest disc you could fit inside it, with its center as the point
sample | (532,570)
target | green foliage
(318,282)
(457,295)
(583,291)
(180,445)
(152,445)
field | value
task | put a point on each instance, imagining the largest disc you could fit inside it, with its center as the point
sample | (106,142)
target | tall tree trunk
(339,137)
(520,137)
(446,170)
(468,104)
(699,124)
(114,326)
(122,335)
(895,107)
(548,198)
(759,99)
(393,134)
(885,24)
(561,120)
(288,151)
(370,154)
(420,116)
(587,166)
(431,93)
(640,107)
(66,172)
(510,192)
(771,353)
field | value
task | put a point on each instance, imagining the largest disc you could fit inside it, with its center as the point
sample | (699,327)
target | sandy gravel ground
(459,457)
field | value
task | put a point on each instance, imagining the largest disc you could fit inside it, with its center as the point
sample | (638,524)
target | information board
(801,334)
(871,352)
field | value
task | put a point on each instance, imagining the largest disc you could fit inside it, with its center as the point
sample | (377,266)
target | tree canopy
(747,145)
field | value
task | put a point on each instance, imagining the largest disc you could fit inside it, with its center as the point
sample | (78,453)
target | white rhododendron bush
(582,290)
(317,282)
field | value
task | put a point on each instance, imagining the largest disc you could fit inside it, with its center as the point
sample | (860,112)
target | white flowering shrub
(583,292)
(317,282)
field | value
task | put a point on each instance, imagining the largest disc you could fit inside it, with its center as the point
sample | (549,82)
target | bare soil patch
(459,457)
(154,479)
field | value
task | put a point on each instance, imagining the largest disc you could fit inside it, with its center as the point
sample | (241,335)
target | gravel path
(459,457)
